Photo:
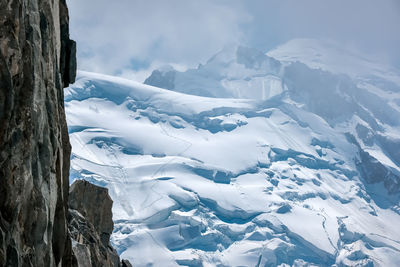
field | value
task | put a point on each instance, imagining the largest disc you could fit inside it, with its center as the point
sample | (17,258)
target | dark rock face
(37,60)
(372,170)
(95,205)
(34,144)
(90,225)
(126,263)
(161,79)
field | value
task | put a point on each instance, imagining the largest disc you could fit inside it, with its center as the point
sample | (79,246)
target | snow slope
(293,164)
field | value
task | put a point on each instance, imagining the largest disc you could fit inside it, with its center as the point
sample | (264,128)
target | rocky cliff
(37,60)
(90,225)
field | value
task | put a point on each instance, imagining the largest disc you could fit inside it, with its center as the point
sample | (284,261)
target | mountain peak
(163,77)
(224,75)
(333,57)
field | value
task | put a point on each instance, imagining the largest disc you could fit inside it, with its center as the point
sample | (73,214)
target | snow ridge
(274,161)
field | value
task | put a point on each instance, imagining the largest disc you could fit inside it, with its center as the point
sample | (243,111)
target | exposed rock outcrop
(91,225)
(163,78)
(37,60)
(373,171)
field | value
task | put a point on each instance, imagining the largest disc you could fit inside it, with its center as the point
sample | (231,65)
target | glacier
(289,158)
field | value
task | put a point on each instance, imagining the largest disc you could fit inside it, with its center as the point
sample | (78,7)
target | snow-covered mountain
(252,159)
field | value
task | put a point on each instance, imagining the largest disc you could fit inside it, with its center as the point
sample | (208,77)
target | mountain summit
(235,72)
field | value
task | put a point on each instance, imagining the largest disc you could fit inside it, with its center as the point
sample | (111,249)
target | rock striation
(90,225)
(37,60)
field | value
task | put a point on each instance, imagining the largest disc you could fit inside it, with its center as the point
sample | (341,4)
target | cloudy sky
(132,37)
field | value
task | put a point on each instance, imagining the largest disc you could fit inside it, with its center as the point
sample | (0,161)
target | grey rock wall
(90,225)
(37,60)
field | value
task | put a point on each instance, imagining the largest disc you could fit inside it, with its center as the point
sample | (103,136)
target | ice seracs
(284,164)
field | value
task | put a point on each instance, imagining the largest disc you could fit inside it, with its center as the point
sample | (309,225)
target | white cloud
(367,25)
(132,37)
(126,36)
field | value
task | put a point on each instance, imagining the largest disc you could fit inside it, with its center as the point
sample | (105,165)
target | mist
(131,38)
